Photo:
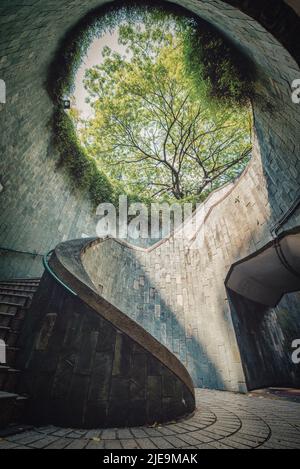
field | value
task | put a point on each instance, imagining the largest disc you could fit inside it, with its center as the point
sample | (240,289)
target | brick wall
(39,207)
(80,371)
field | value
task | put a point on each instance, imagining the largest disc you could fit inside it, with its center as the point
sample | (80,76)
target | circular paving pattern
(222,420)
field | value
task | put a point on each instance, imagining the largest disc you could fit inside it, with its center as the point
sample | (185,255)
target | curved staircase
(15,301)
(84,363)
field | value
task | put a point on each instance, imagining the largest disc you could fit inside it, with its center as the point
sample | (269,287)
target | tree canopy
(153,131)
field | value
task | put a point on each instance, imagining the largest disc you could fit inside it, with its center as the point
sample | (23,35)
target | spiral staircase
(15,301)
(74,359)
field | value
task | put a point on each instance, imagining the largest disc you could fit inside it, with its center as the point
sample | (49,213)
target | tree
(152,130)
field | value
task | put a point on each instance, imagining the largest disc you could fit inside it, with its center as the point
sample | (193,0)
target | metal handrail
(36,254)
(53,274)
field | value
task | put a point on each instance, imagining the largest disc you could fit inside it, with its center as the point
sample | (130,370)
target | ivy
(218,69)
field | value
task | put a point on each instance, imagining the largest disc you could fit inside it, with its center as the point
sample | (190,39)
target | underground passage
(141,337)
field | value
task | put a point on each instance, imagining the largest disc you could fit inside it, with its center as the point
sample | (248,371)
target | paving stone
(214,445)
(249,431)
(201,437)
(31,169)
(44,442)
(63,432)
(153,432)
(108,434)
(60,444)
(146,443)
(166,431)
(92,434)
(112,444)
(188,438)
(25,437)
(95,445)
(129,444)
(75,435)
(124,433)
(77,444)
(138,433)
(7,445)
(175,441)
(162,443)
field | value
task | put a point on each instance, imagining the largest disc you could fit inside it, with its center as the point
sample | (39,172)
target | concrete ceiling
(268,275)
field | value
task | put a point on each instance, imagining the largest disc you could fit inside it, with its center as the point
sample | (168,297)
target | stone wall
(80,371)
(39,206)
(176,290)
(265,339)
(189,308)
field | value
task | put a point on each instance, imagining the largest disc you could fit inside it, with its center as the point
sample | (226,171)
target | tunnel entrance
(266,276)
(264,294)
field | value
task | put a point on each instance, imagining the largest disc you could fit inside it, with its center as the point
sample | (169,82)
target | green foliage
(82,168)
(218,71)
(151,130)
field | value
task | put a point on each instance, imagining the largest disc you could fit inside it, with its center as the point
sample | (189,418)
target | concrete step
(11,356)
(15,280)
(9,308)
(7,408)
(13,321)
(9,336)
(8,379)
(21,284)
(4,331)
(17,299)
(5,307)
(12,338)
(5,319)
(17,291)
(12,411)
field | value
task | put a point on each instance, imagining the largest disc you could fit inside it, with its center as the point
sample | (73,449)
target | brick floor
(223,420)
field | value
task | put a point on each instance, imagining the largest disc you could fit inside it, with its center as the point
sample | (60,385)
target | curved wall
(80,370)
(39,208)
(176,291)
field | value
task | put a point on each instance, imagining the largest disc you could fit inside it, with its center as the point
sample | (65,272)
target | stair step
(11,355)
(7,408)
(4,331)
(9,336)
(8,308)
(5,319)
(17,291)
(22,280)
(5,304)
(21,288)
(12,409)
(15,299)
(18,299)
(12,338)
(8,379)
(16,323)
(14,429)
(11,283)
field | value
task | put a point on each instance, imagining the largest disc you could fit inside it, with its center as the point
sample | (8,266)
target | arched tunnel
(227,307)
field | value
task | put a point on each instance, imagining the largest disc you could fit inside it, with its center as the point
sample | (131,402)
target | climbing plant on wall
(171,116)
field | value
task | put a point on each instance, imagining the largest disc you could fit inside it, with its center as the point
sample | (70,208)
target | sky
(92,58)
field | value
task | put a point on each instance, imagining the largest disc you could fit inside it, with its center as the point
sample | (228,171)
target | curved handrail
(52,273)
(18,251)
(66,267)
